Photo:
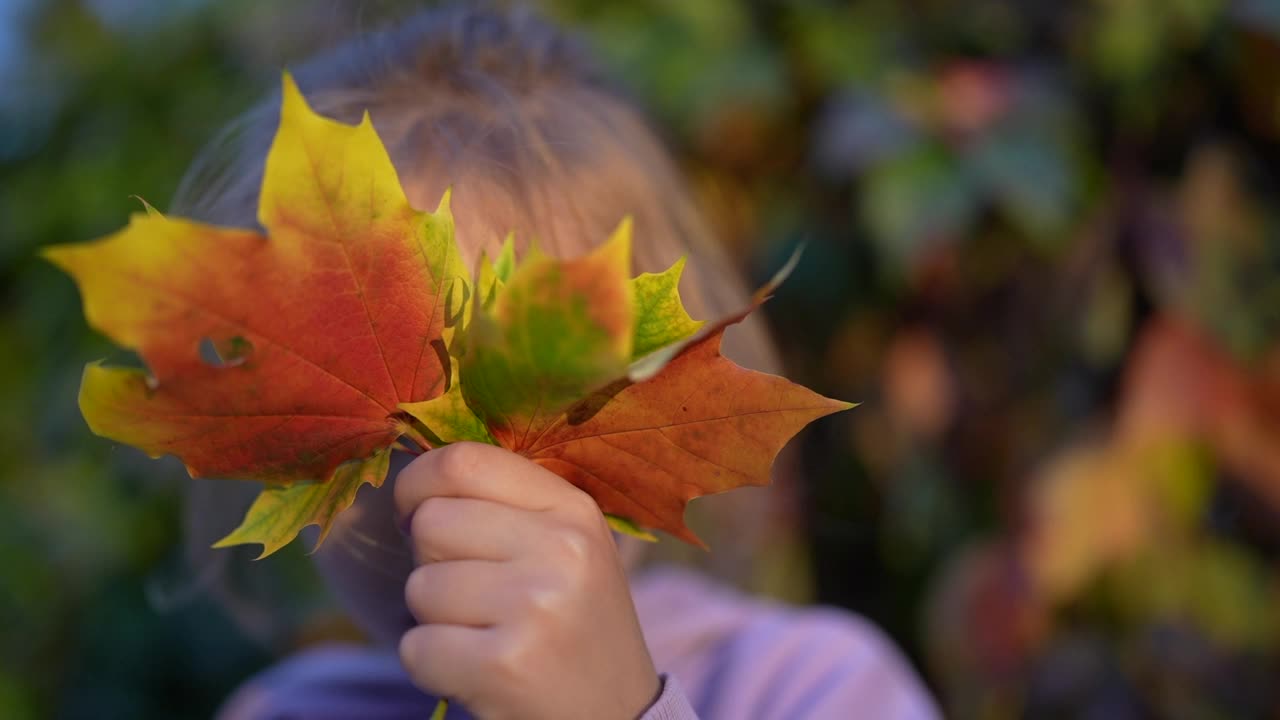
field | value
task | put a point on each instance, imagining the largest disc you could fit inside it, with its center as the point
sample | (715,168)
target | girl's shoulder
(738,656)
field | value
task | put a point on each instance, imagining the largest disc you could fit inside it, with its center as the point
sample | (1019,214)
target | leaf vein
(240,325)
(346,257)
(680,424)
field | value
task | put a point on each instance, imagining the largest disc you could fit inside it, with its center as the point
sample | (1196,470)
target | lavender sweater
(722,655)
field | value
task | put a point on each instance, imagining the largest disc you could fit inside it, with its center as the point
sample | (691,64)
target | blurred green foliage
(1043,253)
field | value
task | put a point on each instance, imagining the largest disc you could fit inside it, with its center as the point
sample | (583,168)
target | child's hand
(524,604)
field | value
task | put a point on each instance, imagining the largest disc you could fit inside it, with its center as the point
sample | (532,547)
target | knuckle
(510,657)
(456,462)
(571,546)
(583,507)
(572,543)
(544,599)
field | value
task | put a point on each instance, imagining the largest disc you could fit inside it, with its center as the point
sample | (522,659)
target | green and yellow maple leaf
(606,381)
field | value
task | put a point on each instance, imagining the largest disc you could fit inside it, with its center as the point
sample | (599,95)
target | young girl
(508,594)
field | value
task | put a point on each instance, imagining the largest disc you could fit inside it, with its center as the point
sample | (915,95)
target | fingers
(443,659)
(483,472)
(524,605)
(449,528)
(464,592)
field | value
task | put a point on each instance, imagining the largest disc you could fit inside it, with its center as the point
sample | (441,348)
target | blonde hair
(512,114)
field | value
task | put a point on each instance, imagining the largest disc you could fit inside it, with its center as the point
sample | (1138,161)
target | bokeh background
(1043,252)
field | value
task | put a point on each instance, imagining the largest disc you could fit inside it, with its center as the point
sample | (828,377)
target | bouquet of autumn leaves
(352,329)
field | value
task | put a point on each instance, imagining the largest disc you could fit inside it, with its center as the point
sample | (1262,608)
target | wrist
(656,685)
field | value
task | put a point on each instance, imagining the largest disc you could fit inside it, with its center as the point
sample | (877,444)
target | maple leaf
(323,326)
(351,323)
(605,381)
(280,513)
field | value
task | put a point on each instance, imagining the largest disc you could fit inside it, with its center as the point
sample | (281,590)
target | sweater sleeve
(738,657)
(810,665)
(671,703)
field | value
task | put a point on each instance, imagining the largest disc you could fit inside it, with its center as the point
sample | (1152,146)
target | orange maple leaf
(323,326)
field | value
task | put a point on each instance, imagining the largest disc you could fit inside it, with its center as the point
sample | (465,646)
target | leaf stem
(410,449)
(412,432)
